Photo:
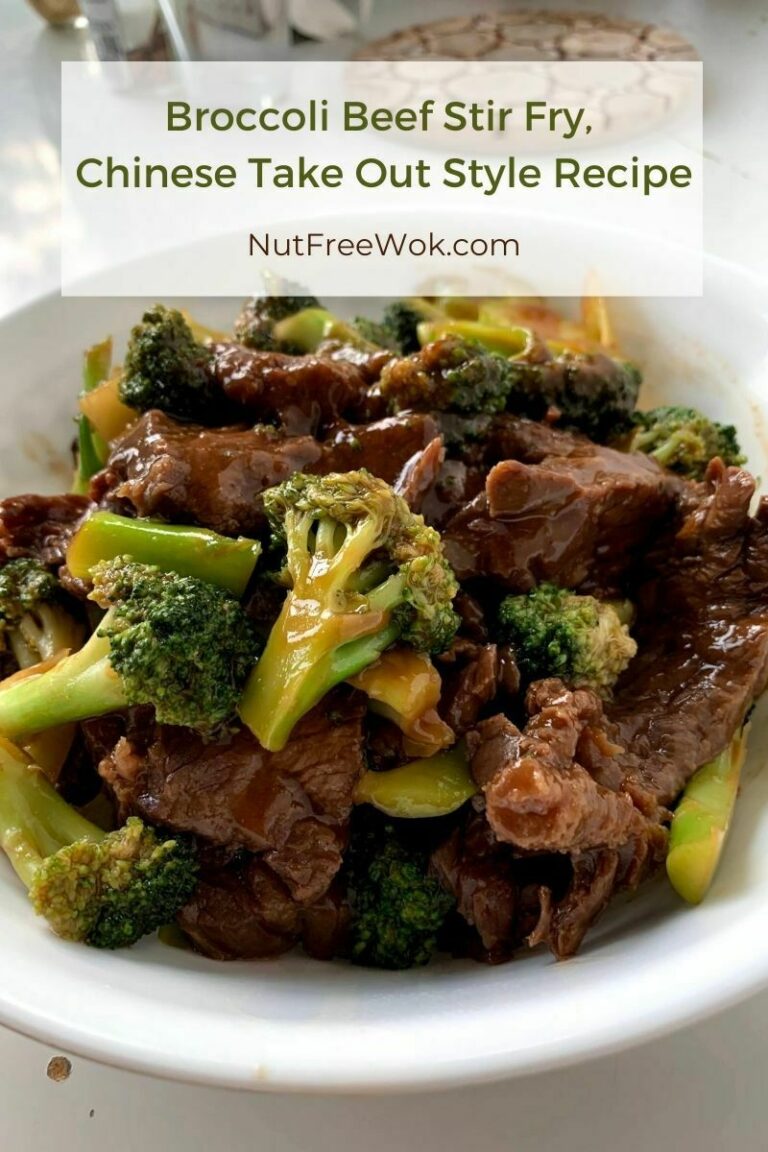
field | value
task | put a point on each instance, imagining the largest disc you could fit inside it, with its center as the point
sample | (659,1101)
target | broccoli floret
(33,620)
(107,889)
(172,641)
(376,333)
(166,368)
(449,375)
(255,325)
(462,434)
(559,633)
(363,570)
(397,907)
(684,440)
(592,392)
(24,585)
(434,785)
(397,329)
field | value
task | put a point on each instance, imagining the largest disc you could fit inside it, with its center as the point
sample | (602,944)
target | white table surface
(702,1089)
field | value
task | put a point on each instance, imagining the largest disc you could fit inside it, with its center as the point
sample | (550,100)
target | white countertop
(703,1088)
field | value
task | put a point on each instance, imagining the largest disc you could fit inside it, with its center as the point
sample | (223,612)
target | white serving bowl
(650,965)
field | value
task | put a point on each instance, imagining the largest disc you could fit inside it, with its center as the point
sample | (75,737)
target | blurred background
(731,36)
(325,29)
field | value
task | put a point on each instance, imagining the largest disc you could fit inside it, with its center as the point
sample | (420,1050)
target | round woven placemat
(531,35)
(634,97)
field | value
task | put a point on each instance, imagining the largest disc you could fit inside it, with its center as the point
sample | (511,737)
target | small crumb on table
(59,1068)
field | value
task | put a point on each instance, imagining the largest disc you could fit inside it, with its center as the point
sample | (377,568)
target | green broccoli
(684,440)
(305,331)
(435,785)
(166,368)
(398,328)
(255,325)
(462,435)
(397,331)
(92,451)
(449,375)
(181,548)
(106,889)
(578,639)
(172,641)
(363,571)
(397,907)
(34,623)
(504,339)
(702,818)
(592,392)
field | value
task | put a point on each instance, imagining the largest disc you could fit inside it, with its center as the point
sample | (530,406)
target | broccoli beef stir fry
(380,638)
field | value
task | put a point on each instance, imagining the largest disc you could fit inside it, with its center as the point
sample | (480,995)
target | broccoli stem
(666,452)
(301,664)
(89,456)
(79,686)
(429,309)
(35,820)
(189,551)
(701,821)
(434,786)
(351,658)
(91,449)
(338,529)
(307,329)
(311,647)
(41,634)
(460,307)
(507,341)
(103,888)
(679,446)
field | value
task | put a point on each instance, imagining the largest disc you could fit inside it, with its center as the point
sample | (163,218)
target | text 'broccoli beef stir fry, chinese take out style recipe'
(378,638)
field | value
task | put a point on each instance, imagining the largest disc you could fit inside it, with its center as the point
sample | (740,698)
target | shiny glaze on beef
(289,807)
(703,635)
(574,792)
(301,393)
(385,447)
(538,795)
(419,474)
(471,674)
(39,526)
(531,441)
(212,476)
(564,519)
(244,913)
(216,476)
